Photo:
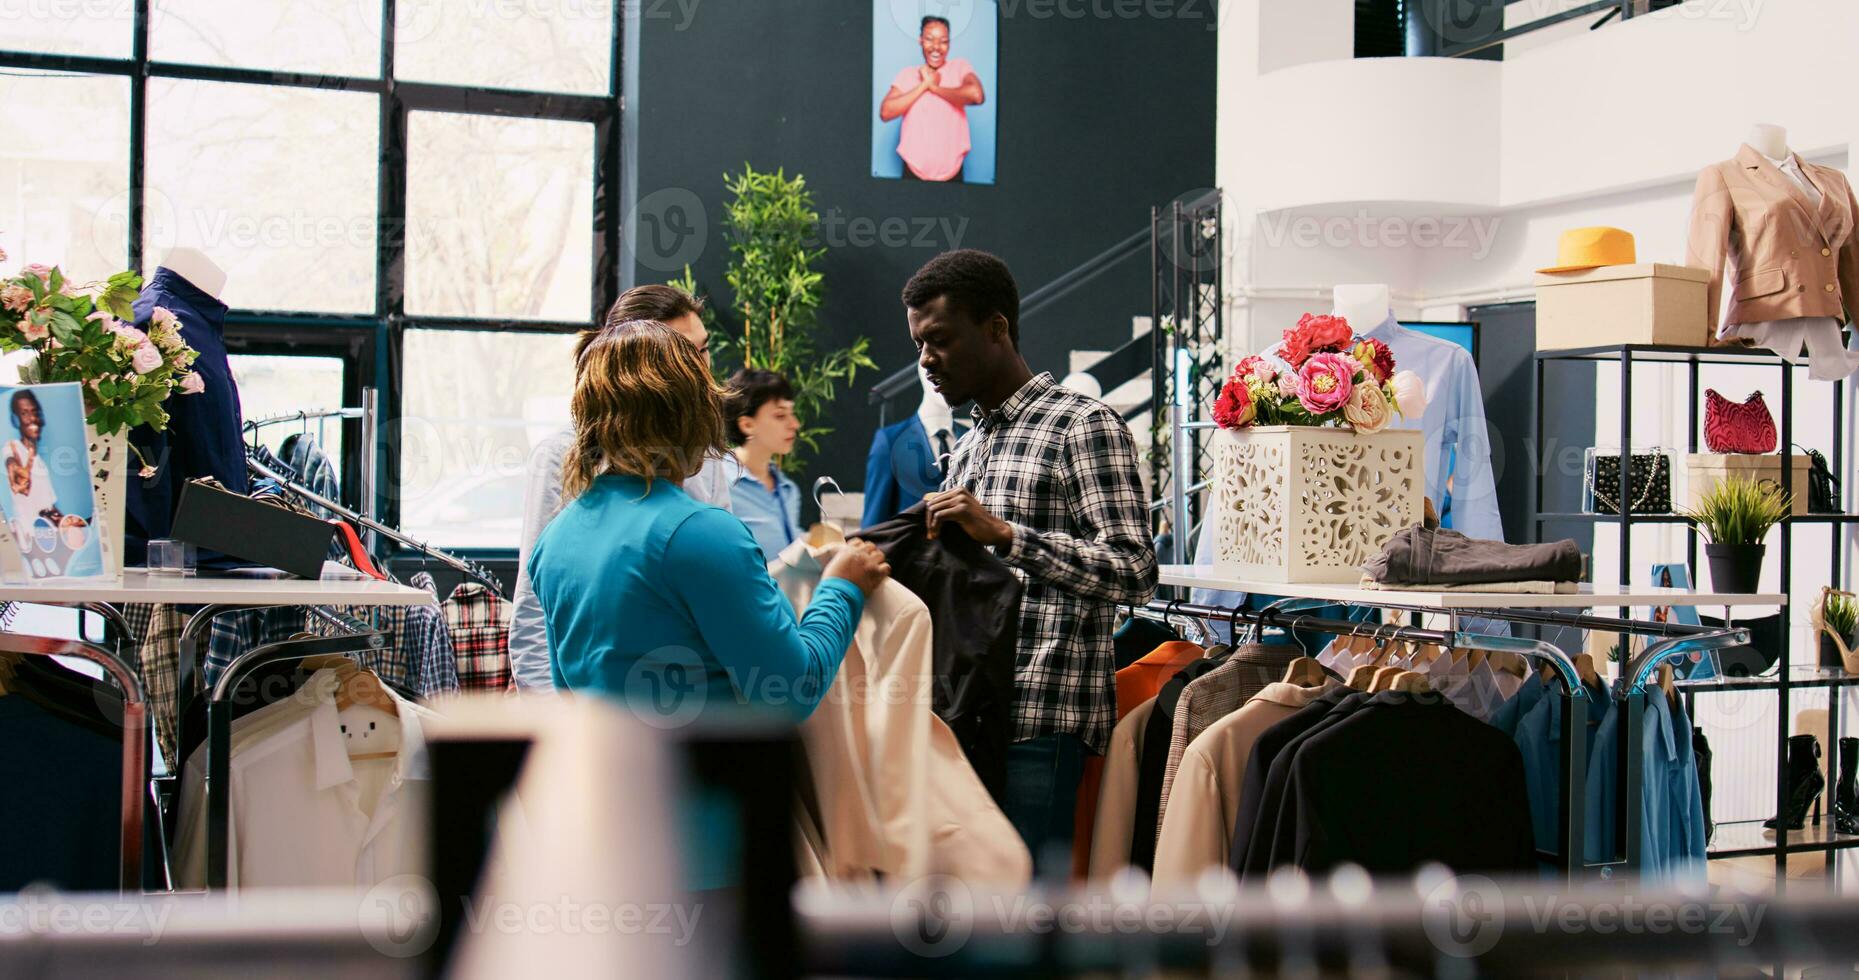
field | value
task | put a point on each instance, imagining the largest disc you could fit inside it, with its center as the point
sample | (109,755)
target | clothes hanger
(1584,668)
(1384,679)
(1305,672)
(1408,682)
(362,687)
(822,534)
(1363,677)
(1668,684)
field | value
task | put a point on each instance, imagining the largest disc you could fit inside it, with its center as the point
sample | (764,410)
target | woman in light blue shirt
(653,598)
(759,413)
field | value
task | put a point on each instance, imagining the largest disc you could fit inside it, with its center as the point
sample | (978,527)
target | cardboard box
(1647,303)
(1706,470)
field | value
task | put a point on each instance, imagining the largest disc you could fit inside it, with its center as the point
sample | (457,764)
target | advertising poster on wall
(933,95)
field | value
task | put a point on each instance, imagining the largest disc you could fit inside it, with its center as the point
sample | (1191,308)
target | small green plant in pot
(1839,615)
(1735,515)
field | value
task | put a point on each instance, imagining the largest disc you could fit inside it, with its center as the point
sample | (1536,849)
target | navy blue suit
(204,435)
(902,469)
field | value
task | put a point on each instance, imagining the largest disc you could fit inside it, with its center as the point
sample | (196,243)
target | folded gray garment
(1497,588)
(1432,556)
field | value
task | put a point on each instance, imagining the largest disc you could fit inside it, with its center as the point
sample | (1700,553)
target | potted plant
(1310,481)
(1734,516)
(1835,616)
(85,332)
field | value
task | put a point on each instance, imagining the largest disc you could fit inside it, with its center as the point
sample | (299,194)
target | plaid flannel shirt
(418,656)
(158,656)
(1062,471)
(479,621)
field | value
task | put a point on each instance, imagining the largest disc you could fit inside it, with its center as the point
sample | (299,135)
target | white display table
(138,586)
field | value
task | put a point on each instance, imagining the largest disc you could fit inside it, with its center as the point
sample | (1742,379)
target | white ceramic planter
(110,460)
(1310,504)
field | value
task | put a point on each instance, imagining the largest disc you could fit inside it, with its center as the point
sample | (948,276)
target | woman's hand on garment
(861,563)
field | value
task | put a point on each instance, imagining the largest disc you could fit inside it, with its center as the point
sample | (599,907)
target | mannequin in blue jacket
(907,458)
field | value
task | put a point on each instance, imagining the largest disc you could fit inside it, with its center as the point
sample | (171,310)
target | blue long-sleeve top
(655,599)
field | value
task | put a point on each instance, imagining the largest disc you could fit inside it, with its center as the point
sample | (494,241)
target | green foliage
(1841,613)
(1740,511)
(776,293)
(82,333)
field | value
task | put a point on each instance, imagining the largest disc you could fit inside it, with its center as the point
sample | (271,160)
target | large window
(429,189)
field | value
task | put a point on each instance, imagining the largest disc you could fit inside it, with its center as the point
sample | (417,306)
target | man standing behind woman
(1049,478)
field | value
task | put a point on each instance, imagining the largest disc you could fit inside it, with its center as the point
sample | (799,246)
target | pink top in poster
(934,137)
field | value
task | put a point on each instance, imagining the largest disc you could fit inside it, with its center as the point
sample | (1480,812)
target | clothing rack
(1430,924)
(360,637)
(368,413)
(1572,771)
(135,735)
(469,569)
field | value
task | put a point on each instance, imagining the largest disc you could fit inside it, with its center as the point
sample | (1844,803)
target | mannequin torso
(195,267)
(1364,305)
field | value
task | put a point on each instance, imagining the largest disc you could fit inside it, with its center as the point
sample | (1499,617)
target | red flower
(1376,357)
(1234,409)
(1314,334)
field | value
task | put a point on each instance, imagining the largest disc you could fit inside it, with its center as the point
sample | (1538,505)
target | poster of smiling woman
(49,503)
(934,101)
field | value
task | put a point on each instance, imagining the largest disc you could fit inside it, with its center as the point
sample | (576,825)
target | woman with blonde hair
(652,597)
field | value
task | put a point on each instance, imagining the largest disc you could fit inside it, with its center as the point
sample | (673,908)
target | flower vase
(110,461)
(1310,503)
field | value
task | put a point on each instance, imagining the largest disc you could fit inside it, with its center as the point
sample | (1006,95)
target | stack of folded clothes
(1438,560)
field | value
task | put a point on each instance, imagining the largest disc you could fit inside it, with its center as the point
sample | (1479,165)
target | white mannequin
(1769,140)
(934,412)
(194,266)
(1364,305)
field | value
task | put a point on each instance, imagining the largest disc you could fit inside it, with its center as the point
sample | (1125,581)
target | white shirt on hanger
(299,813)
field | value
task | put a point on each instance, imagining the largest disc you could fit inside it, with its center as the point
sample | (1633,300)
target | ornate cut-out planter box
(1309,504)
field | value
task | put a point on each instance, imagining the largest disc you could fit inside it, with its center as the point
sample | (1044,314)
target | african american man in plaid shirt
(1049,479)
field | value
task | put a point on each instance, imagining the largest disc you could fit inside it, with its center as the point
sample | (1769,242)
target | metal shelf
(1798,677)
(1665,354)
(1748,838)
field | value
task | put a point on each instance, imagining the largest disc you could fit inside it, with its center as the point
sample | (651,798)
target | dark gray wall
(1100,119)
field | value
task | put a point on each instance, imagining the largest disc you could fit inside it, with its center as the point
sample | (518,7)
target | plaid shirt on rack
(158,655)
(1062,469)
(418,656)
(479,621)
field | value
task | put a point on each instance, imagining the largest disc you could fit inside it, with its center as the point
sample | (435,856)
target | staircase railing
(905,378)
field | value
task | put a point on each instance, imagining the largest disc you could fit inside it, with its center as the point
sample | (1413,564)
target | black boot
(1805,783)
(1701,749)
(1846,791)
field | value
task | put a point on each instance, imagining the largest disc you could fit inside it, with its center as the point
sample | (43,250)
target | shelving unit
(1737,838)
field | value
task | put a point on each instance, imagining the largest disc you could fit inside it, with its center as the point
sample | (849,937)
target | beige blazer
(1197,830)
(892,792)
(1116,796)
(1753,227)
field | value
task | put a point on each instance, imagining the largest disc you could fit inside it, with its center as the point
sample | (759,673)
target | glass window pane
(96,28)
(500,217)
(328,37)
(537,45)
(64,189)
(276,185)
(475,404)
(273,384)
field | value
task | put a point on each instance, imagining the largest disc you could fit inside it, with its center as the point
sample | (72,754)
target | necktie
(943,451)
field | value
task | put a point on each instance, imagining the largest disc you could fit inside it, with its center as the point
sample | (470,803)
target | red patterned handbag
(1733,428)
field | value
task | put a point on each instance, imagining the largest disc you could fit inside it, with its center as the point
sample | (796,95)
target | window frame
(371,345)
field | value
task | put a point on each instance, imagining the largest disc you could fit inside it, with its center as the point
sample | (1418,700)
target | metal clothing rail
(135,736)
(1430,924)
(1577,698)
(218,789)
(470,569)
(307,415)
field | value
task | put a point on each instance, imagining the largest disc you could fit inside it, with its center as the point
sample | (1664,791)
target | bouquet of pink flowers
(1335,378)
(87,333)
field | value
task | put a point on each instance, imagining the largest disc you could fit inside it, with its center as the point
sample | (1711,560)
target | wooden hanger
(363,687)
(1584,669)
(1427,653)
(824,535)
(1384,679)
(1408,682)
(1361,677)
(1668,684)
(1305,672)
(1473,658)
(1511,663)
